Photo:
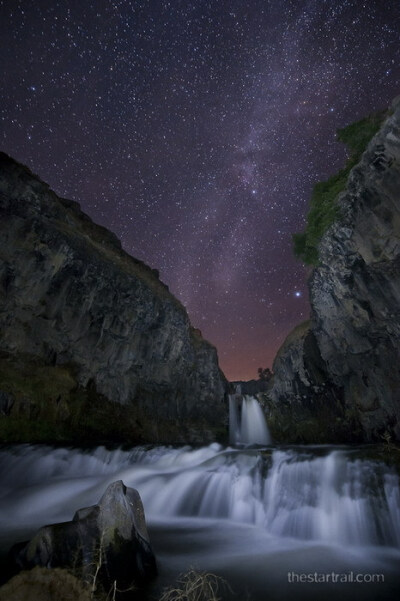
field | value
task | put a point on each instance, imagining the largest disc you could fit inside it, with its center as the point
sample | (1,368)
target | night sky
(195,131)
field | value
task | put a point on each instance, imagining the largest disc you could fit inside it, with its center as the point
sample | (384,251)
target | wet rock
(106,542)
(250,387)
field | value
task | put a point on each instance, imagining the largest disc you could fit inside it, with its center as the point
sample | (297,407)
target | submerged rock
(99,327)
(346,362)
(106,542)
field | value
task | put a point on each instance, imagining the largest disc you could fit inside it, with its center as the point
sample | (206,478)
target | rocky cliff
(338,376)
(92,343)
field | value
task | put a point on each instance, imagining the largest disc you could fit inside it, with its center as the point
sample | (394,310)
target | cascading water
(289,493)
(330,505)
(247,423)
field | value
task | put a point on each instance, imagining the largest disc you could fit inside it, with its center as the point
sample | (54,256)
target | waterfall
(327,495)
(254,429)
(247,423)
(234,424)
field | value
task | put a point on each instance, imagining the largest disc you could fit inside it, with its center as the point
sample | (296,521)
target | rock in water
(108,542)
(338,377)
(92,342)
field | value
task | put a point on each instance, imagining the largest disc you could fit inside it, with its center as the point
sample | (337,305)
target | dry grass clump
(195,586)
(56,584)
(42,584)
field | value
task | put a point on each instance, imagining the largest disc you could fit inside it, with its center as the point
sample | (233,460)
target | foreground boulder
(103,543)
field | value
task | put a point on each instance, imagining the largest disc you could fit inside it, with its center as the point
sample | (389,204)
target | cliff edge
(337,378)
(92,344)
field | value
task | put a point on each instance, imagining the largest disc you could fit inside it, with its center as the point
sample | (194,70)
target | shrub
(324,209)
(195,586)
(42,584)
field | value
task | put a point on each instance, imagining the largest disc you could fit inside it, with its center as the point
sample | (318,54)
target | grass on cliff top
(49,405)
(323,205)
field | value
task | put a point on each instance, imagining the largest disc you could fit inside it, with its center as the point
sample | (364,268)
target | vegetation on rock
(41,403)
(48,405)
(264,374)
(324,206)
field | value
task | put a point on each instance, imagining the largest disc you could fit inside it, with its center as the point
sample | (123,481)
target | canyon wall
(87,329)
(338,376)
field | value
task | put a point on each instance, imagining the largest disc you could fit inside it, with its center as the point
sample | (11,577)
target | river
(263,518)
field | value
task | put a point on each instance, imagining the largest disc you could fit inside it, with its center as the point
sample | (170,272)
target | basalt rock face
(303,405)
(249,387)
(352,348)
(101,323)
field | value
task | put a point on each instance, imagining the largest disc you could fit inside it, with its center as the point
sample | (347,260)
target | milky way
(195,131)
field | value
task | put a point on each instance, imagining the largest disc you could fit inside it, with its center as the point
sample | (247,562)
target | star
(196,135)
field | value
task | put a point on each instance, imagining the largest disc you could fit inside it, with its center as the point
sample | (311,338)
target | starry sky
(195,130)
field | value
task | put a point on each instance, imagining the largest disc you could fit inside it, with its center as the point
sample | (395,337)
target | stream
(273,521)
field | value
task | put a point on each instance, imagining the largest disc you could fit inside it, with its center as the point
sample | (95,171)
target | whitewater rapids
(252,515)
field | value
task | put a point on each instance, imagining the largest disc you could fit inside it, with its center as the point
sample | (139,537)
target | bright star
(297,294)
